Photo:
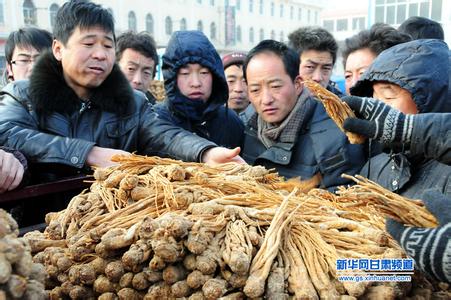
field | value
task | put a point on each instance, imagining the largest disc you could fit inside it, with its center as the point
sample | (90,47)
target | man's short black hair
(313,38)
(141,42)
(37,38)
(378,38)
(289,57)
(82,14)
(422,28)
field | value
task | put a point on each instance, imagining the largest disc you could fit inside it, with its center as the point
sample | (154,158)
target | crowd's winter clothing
(310,143)
(418,67)
(234,58)
(211,120)
(246,114)
(430,247)
(45,120)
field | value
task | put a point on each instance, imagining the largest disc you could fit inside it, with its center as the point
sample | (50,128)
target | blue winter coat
(211,120)
(422,68)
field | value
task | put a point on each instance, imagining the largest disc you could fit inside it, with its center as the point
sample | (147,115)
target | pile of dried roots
(154,228)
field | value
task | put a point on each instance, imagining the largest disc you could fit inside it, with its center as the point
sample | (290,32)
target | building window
(53,10)
(251,35)
(316,17)
(238,4)
(281,37)
(272,9)
(199,1)
(2,14)
(328,25)
(281,10)
(261,7)
(262,34)
(149,23)
(212,2)
(396,12)
(299,13)
(132,21)
(213,31)
(342,24)
(200,26)
(291,12)
(29,13)
(168,25)
(401,12)
(183,24)
(238,33)
(308,16)
(358,23)
(273,35)
(251,5)
(436,11)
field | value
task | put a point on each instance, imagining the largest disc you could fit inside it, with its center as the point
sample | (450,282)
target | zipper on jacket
(85,105)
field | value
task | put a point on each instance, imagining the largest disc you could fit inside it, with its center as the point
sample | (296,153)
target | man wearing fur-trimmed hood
(78,109)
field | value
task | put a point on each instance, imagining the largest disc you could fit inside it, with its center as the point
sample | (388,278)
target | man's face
(271,90)
(137,68)
(22,62)
(356,64)
(316,66)
(238,99)
(195,82)
(395,96)
(87,58)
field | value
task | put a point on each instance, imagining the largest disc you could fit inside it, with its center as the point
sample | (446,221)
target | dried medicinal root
(337,110)
(214,288)
(262,262)
(196,279)
(238,247)
(157,228)
(180,289)
(174,273)
(114,271)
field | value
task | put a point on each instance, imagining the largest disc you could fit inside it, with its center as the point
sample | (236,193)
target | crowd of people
(77,96)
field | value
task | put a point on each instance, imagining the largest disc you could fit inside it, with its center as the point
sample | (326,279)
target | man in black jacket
(291,130)
(78,109)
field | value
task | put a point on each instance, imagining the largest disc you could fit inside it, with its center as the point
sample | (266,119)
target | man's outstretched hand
(101,157)
(220,155)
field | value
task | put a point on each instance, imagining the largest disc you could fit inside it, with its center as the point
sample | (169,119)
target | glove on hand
(429,247)
(380,121)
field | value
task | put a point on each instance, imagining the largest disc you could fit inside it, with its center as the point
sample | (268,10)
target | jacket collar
(49,91)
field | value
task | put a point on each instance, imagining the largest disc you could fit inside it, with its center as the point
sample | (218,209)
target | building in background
(346,18)
(229,24)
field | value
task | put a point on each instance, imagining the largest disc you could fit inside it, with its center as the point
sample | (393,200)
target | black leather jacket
(45,120)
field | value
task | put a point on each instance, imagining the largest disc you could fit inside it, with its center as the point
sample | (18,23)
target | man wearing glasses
(22,49)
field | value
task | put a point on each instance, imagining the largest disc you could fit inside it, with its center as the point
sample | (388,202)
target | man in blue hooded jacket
(197,90)
(413,79)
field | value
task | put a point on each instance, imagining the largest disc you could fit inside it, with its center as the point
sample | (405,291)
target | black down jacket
(45,120)
(211,120)
(422,68)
